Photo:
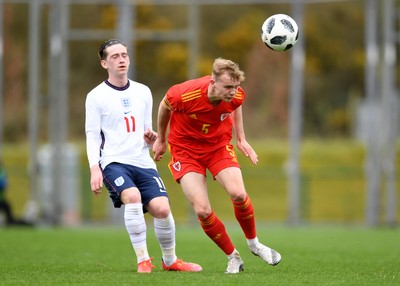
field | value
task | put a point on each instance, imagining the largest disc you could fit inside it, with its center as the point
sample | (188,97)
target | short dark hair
(102,49)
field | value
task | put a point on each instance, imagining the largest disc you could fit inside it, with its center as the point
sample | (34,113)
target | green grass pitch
(325,255)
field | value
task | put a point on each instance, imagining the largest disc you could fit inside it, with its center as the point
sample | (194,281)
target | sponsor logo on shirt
(224,116)
(126,102)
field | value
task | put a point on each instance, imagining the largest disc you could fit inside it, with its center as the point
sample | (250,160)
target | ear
(104,64)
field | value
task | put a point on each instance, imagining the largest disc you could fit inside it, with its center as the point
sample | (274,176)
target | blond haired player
(201,114)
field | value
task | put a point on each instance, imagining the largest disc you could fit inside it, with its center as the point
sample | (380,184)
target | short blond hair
(222,66)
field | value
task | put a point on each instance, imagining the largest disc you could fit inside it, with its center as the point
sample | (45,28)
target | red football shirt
(195,123)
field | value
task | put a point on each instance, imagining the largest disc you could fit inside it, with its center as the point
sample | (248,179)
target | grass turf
(326,255)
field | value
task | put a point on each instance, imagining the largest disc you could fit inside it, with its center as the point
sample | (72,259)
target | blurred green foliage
(333,184)
(333,179)
(334,70)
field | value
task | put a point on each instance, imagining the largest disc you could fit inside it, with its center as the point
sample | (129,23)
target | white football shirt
(116,119)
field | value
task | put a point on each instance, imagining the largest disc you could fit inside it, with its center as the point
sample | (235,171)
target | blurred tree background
(334,175)
(334,70)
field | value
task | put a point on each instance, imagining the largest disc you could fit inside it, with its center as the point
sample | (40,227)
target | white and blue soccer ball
(279,32)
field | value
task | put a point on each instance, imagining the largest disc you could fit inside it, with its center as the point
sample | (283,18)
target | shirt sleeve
(148,120)
(92,129)
(171,99)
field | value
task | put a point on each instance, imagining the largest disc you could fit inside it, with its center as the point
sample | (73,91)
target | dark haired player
(118,137)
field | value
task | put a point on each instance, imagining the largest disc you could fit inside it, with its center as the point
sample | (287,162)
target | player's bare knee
(239,196)
(162,212)
(203,212)
(130,196)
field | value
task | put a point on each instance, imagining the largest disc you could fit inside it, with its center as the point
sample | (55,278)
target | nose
(233,90)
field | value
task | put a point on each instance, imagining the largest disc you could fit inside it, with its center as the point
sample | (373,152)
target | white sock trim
(135,225)
(164,229)
(251,242)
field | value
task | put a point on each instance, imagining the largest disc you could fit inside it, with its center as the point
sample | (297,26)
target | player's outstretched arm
(160,145)
(242,143)
(247,150)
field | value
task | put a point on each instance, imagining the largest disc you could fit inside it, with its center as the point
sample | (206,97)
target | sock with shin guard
(215,229)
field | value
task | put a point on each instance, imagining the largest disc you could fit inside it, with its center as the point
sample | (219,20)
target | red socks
(215,230)
(244,213)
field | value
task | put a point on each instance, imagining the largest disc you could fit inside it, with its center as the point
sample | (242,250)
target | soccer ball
(279,32)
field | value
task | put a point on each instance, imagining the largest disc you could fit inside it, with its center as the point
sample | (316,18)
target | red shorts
(184,161)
